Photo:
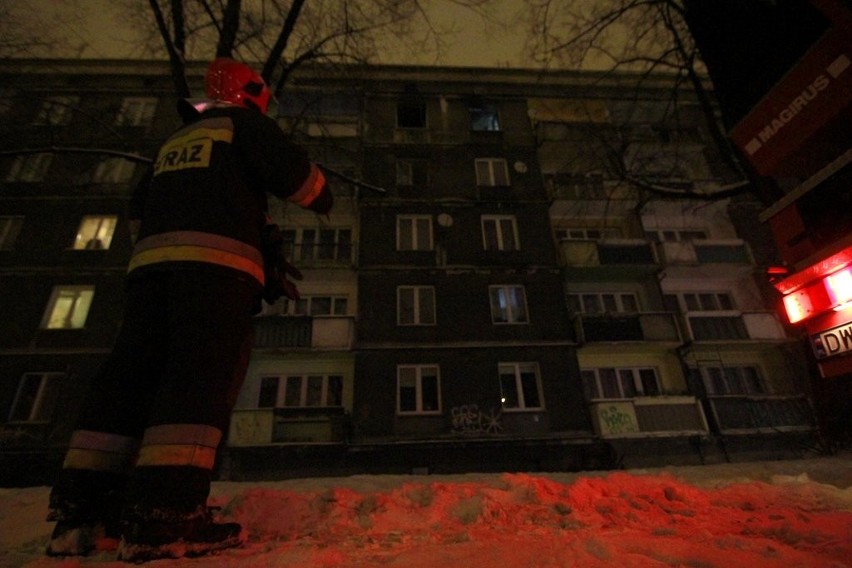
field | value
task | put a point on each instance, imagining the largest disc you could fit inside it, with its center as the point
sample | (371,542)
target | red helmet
(236,83)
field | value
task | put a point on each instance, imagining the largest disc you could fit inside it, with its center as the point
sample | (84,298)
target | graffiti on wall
(469,419)
(617,419)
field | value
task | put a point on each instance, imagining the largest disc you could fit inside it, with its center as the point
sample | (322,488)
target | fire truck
(782,73)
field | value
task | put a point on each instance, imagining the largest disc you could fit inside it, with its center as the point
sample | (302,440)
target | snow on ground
(757,514)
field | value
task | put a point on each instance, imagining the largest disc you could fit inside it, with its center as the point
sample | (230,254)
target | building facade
(491,294)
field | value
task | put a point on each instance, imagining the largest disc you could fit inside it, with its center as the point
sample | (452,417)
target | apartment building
(486,294)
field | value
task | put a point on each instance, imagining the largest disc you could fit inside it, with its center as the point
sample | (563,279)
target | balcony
(326,332)
(648,417)
(726,326)
(704,251)
(627,327)
(307,425)
(761,414)
(614,258)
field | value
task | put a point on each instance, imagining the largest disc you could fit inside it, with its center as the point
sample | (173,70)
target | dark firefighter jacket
(204,200)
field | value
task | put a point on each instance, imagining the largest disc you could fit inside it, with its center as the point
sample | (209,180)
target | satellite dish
(445,220)
(520,167)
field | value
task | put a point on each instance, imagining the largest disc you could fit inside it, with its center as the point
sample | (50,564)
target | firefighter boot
(198,535)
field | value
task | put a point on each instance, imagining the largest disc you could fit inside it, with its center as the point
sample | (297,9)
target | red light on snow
(839,286)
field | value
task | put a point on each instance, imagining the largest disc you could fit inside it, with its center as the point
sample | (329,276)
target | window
(500,232)
(114,170)
(36,397)
(674,235)
(699,301)
(136,111)
(624,382)
(733,380)
(411,114)
(484,117)
(56,111)
(714,328)
(596,303)
(492,172)
(326,244)
(584,234)
(29,167)
(415,305)
(95,232)
(68,307)
(320,306)
(508,304)
(520,387)
(10,227)
(414,232)
(301,391)
(418,389)
(412,172)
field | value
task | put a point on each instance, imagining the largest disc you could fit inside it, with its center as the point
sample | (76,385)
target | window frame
(104,236)
(281,390)
(517,368)
(419,410)
(618,373)
(30,168)
(731,375)
(298,247)
(47,115)
(79,291)
(46,379)
(493,164)
(412,172)
(417,305)
(600,300)
(10,229)
(415,244)
(510,318)
(137,111)
(489,112)
(501,244)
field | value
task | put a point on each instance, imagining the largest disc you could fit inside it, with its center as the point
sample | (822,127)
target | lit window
(415,305)
(418,389)
(114,170)
(136,111)
(10,227)
(414,232)
(484,117)
(508,304)
(500,232)
(520,386)
(301,391)
(29,167)
(68,307)
(56,111)
(36,397)
(95,232)
(623,382)
(492,172)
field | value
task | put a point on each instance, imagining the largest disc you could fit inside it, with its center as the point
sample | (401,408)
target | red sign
(818,88)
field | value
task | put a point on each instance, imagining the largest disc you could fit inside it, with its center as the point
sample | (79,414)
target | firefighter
(141,457)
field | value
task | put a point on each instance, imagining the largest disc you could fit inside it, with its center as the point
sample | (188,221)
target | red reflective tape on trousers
(104,441)
(186,434)
(177,455)
(98,460)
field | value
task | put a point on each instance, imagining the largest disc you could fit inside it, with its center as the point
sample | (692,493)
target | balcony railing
(325,332)
(266,426)
(627,327)
(748,414)
(725,326)
(646,417)
(704,251)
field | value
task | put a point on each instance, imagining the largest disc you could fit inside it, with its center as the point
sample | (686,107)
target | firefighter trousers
(145,443)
